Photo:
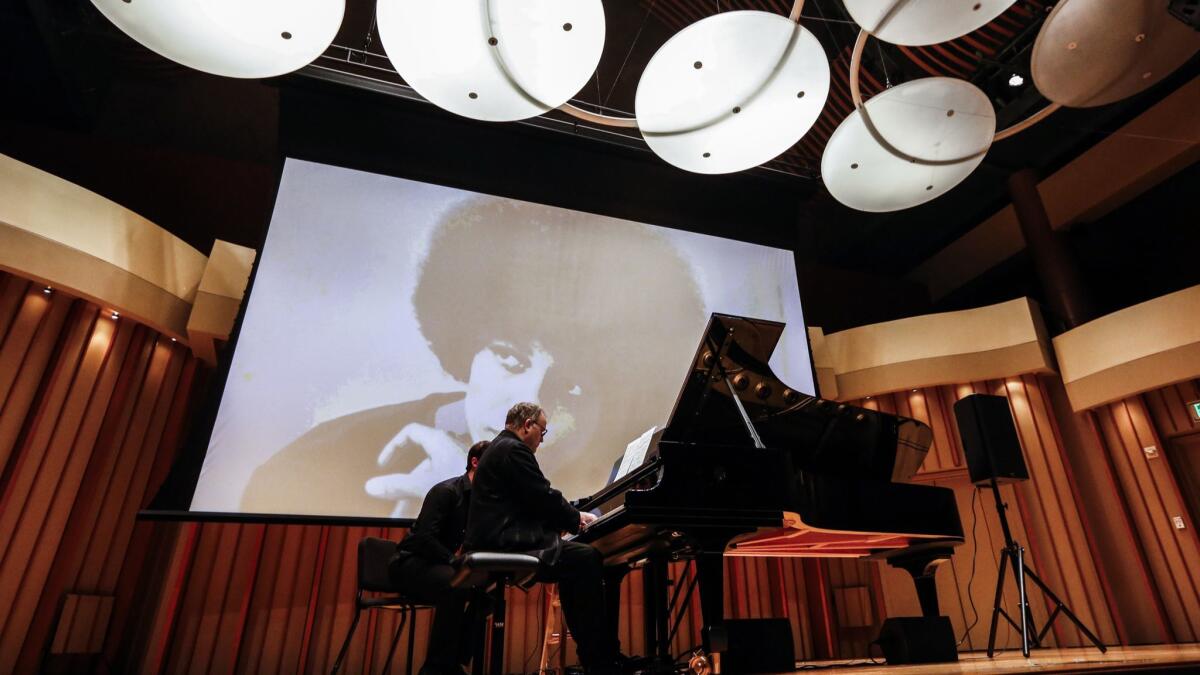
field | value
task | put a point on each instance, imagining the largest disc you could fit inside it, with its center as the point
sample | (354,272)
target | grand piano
(748,466)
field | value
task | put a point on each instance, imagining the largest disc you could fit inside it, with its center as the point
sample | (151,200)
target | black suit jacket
(439,530)
(513,506)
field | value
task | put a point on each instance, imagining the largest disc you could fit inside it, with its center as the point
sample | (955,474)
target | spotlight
(1016,80)
(47,290)
(116,315)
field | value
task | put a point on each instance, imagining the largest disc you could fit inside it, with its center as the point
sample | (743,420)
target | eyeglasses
(545,430)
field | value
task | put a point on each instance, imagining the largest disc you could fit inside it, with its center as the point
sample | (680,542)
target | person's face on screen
(502,374)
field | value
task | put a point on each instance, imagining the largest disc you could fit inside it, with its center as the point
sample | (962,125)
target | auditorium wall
(86,404)
(92,410)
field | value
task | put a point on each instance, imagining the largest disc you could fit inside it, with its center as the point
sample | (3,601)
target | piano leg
(922,566)
(613,577)
(710,568)
(654,589)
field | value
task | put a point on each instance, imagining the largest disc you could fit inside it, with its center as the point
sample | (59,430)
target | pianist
(515,509)
(421,568)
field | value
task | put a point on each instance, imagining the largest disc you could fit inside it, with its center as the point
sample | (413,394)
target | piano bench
(493,571)
(484,567)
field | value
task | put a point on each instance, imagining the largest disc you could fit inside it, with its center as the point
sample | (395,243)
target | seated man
(422,568)
(515,509)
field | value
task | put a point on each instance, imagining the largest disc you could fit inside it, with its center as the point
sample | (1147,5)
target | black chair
(373,557)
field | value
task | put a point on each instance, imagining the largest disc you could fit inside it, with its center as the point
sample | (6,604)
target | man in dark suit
(515,509)
(422,568)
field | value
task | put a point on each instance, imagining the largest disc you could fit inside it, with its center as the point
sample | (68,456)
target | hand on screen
(444,458)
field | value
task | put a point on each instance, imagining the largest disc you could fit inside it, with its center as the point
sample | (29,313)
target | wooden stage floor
(1149,658)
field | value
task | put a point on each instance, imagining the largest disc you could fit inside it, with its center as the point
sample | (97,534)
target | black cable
(971,578)
(687,652)
(541,619)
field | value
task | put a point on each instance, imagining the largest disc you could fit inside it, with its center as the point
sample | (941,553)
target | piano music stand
(1014,553)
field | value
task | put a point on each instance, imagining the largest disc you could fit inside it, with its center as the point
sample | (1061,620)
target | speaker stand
(1014,554)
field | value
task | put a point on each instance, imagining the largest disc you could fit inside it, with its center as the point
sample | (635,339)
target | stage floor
(1184,658)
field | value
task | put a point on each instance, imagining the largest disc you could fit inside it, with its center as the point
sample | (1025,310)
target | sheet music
(635,453)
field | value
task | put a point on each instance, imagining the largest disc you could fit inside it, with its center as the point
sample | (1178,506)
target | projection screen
(392,323)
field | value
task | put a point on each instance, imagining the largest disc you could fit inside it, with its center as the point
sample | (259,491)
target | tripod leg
(1028,625)
(1059,604)
(1019,569)
(996,604)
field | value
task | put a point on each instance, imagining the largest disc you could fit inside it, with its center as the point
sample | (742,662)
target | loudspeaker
(989,440)
(759,646)
(917,639)
(1187,11)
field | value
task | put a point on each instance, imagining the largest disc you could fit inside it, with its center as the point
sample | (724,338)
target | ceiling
(78,87)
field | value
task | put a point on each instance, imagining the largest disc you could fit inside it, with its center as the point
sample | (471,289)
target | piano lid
(733,354)
(731,396)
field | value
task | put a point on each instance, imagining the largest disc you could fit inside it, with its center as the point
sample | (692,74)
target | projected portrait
(594,319)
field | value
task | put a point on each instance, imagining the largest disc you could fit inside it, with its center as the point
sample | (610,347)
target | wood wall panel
(1043,512)
(291,599)
(67,495)
(1154,500)
(92,409)
(1168,408)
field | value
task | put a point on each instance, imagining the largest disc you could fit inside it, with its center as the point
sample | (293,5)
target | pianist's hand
(585,519)
(443,458)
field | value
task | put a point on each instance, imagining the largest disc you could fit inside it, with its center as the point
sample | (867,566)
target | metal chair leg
(337,665)
(412,639)
(387,665)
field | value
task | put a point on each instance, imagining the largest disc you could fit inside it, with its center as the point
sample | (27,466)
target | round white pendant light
(939,128)
(923,22)
(1091,53)
(494,60)
(732,91)
(234,38)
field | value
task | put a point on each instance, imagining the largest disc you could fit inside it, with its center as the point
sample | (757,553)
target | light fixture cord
(625,60)
(887,79)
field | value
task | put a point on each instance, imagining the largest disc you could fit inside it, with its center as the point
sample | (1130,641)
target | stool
(373,557)
(494,570)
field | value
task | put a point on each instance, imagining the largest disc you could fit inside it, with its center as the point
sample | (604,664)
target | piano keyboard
(607,516)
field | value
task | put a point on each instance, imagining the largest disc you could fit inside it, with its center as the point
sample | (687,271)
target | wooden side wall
(92,410)
(86,403)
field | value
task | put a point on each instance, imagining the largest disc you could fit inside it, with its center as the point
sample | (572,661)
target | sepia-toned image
(330,409)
